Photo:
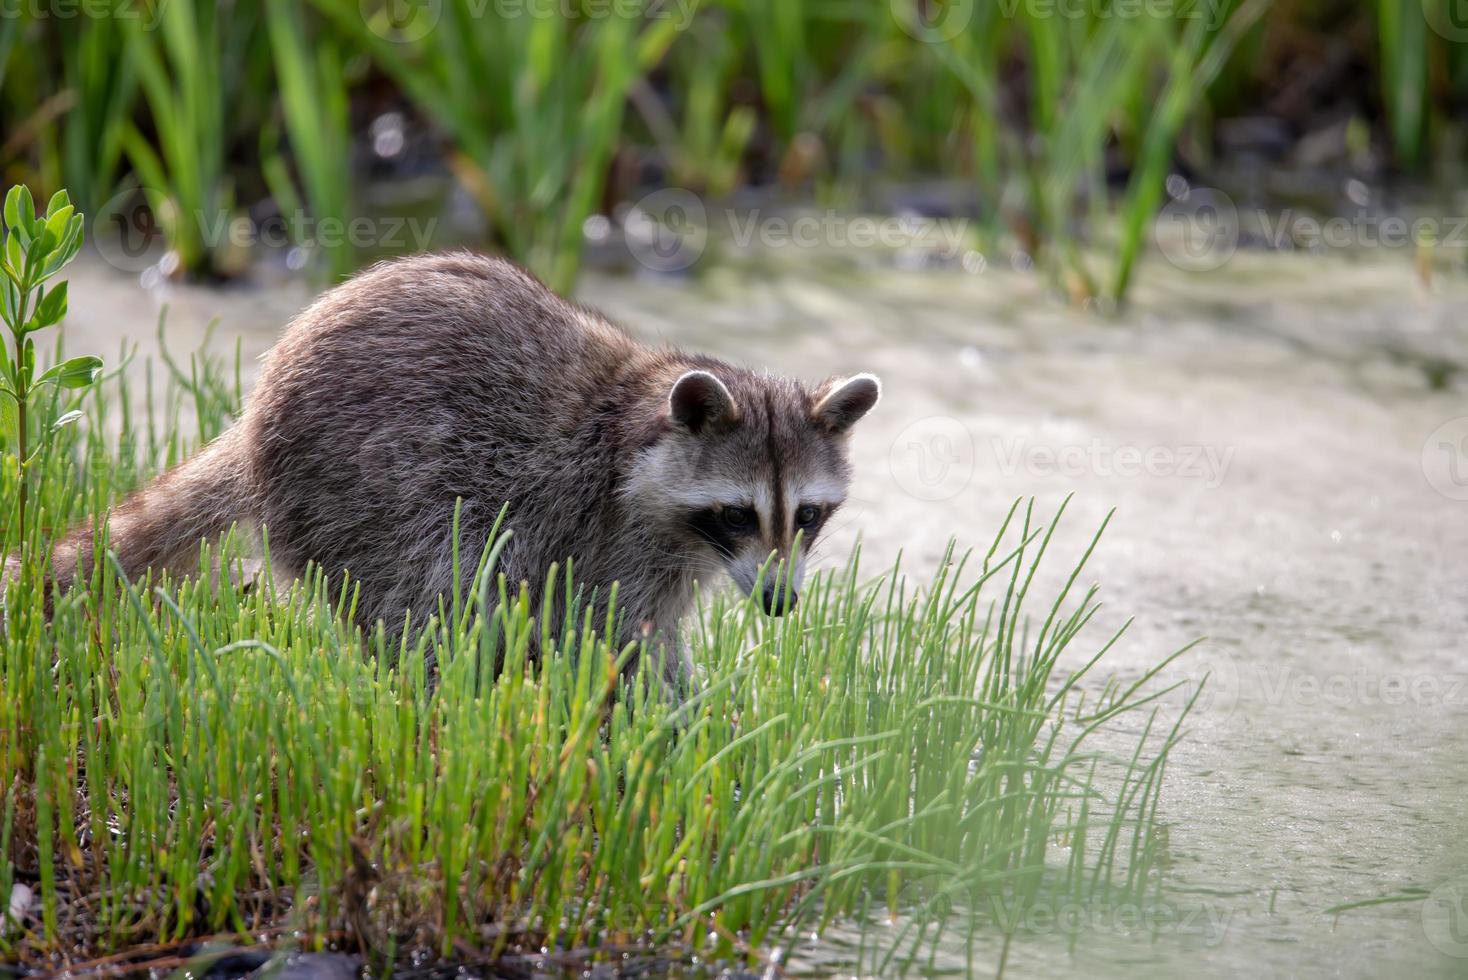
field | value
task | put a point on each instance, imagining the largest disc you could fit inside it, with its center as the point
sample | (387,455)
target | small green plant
(203,758)
(37,247)
(313,101)
(204,72)
(535,107)
(1095,81)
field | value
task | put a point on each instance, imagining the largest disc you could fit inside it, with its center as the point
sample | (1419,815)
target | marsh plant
(235,757)
(36,248)
(1061,122)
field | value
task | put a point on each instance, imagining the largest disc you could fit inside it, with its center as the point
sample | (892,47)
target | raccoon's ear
(846,400)
(700,400)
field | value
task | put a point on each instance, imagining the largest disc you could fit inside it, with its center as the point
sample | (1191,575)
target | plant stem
(20,444)
(20,383)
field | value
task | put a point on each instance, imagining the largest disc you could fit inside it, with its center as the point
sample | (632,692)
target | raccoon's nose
(772,599)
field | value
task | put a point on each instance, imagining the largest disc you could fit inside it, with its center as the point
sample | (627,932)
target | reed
(534,106)
(192,61)
(207,758)
(314,104)
(1063,120)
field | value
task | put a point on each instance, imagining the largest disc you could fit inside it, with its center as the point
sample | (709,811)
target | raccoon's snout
(774,606)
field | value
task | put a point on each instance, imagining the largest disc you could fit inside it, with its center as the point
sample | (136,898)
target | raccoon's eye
(738,518)
(807,515)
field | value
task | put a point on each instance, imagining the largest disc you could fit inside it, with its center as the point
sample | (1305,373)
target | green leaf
(35,251)
(78,372)
(9,420)
(27,215)
(51,309)
(15,254)
(66,419)
(45,241)
(12,206)
(71,243)
(9,300)
(56,224)
(59,200)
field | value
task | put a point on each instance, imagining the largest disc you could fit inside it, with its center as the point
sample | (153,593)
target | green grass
(314,105)
(534,106)
(104,87)
(545,121)
(192,74)
(201,758)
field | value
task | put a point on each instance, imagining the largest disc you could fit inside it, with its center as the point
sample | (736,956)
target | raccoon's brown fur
(438,378)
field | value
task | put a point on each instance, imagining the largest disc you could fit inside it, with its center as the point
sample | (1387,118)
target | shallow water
(1285,442)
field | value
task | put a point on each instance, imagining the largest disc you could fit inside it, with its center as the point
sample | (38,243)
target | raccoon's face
(744,469)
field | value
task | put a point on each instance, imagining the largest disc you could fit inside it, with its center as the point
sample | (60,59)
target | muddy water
(1279,441)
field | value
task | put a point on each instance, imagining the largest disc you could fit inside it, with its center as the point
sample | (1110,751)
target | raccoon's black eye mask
(722,527)
(739,519)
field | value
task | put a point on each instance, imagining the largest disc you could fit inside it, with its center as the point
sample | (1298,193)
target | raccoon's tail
(161,526)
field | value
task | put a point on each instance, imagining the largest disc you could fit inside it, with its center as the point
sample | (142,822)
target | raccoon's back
(437,330)
(420,382)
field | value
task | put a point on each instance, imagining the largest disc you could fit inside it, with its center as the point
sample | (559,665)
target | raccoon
(460,379)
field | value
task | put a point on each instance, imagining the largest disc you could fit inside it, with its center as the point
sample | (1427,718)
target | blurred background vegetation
(1053,124)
